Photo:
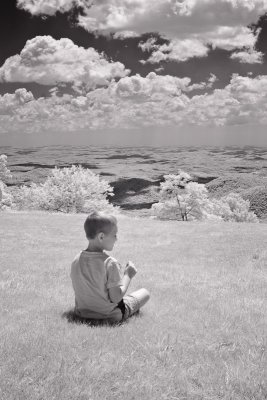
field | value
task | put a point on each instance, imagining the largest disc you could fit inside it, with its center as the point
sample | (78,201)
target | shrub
(6,198)
(234,208)
(166,210)
(257,197)
(73,189)
(4,171)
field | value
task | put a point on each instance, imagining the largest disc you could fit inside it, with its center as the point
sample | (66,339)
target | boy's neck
(93,247)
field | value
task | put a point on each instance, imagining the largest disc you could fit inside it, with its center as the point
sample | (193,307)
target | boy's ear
(100,235)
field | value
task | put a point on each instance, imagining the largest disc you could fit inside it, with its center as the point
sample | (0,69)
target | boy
(98,280)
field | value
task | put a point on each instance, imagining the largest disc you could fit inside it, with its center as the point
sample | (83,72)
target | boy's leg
(134,301)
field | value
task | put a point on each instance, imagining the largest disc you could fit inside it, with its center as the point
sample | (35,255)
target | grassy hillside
(250,186)
(201,336)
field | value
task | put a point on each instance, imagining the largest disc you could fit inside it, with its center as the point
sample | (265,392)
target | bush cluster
(180,198)
(75,189)
(4,171)
(68,190)
(257,197)
(6,198)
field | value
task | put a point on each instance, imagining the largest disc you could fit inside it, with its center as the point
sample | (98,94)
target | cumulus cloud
(10,102)
(150,85)
(240,102)
(212,79)
(150,44)
(249,57)
(176,50)
(138,101)
(191,26)
(187,7)
(48,61)
(125,34)
(49,7)
(227,38)
(170,17)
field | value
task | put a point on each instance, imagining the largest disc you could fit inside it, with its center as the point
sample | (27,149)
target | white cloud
(170,17)
(187,7)
(48,7)
(243,100)
(125,34)
(150,85)
(177,50)
(48,61)
(159,69)
(201,23)
(10,102)
(137,101)
(150,44)
(248,57)
(227,38)
(212,79)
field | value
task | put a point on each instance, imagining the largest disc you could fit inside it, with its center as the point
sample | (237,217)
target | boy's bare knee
(146,293)
(143,296)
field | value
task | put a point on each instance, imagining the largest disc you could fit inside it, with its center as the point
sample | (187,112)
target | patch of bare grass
(201,336)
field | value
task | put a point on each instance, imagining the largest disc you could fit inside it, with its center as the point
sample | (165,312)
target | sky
(133,72)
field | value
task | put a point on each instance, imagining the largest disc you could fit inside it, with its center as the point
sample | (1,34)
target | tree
(195,201)
(180,197)
(170,193)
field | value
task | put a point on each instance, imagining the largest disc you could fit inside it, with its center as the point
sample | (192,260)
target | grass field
(201,336)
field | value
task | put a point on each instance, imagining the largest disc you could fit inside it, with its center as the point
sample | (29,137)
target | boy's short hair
(97,222)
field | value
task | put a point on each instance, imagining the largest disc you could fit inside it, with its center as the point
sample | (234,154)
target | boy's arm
(116,293)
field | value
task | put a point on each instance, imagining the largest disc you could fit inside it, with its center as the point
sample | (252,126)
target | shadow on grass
(72,318)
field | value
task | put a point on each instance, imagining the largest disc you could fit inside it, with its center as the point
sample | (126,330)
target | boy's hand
(130,269)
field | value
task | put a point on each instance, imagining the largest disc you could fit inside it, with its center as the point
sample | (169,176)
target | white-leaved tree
(67,190)
(172,204)
(180,198)
(6,198)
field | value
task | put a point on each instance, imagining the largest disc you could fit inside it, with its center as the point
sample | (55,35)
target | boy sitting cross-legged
(98,280)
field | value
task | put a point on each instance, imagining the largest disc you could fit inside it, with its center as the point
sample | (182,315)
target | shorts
(128,305)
